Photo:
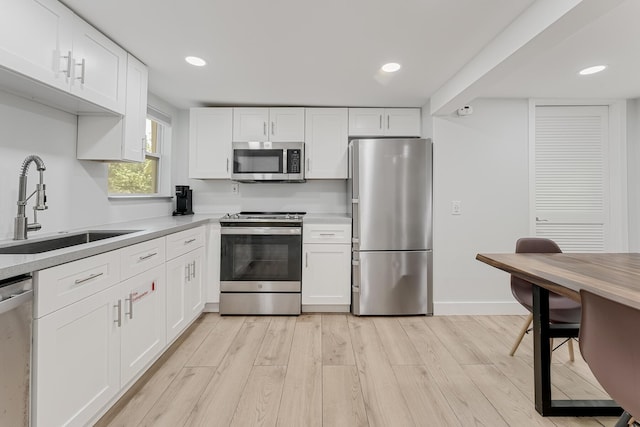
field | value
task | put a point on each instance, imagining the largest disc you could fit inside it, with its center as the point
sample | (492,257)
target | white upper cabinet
(99,68)
(116,138)
(268,124)
(326,143)
(402,122)
(210,143)
(384,122)
(46,42)
(286,124)
(36,38)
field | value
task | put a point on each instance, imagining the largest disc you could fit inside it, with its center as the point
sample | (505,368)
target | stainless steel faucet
(21,223)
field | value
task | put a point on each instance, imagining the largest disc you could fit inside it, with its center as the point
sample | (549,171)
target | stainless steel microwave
(268,161)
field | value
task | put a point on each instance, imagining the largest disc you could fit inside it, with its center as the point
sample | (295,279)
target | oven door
(261,259)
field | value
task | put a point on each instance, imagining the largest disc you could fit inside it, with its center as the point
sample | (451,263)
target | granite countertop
(147,229)
(151,228)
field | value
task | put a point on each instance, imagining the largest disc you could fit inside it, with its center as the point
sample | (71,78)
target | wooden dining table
(615,276)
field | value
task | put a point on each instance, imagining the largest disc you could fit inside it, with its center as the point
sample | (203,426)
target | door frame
(618,237)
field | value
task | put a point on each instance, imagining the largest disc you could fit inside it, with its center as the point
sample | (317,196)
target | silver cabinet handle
(327,234)
(142,258)
(69,59)
(388,121)
(82,70)
(86,279)
(308,165)
(541,220)
(118,320)
(186,242)
(273,128)
(380,125)
(130,299)
(186,273)
(306,259)
(227,164)
(193,271)
(264,128)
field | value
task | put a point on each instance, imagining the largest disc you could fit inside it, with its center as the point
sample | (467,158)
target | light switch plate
(456,207)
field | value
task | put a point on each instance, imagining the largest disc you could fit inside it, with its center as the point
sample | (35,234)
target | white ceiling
(612,39)
(328,52)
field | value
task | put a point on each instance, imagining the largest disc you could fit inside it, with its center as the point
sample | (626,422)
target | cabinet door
(210,142)
(38,49)
(326,275)
(76,360)
(326,143)
(286,124)
(366,122)
(143,321)
(99,68)
(134,144)
(402,122)
(250,124)
(194,286)
(177,273)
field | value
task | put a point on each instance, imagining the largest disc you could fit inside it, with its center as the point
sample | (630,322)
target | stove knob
(235,216)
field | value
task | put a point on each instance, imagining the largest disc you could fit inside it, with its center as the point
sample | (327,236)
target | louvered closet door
(571,177)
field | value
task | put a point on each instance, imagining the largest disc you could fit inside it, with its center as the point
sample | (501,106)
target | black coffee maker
(184,200)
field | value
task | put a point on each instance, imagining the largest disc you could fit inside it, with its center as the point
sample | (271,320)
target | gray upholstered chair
(561,309)
(612,354)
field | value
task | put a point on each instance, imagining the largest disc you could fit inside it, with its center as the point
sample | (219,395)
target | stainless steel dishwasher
(16,308)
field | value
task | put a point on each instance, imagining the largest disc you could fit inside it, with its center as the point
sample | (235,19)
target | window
(145,178)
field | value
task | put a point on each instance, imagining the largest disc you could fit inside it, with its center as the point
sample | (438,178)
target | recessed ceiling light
(391,67)
(194,60)
(592,70)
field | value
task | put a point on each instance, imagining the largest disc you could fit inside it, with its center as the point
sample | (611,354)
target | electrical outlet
(235,188)
(456,207)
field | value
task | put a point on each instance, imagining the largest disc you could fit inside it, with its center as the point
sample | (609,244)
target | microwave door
(254,165)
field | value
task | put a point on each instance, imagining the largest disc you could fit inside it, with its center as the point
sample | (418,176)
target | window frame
(163,156)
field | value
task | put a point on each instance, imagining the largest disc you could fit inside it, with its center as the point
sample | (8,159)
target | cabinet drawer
(184,241)
(141,257)
(64,284)
(326,233)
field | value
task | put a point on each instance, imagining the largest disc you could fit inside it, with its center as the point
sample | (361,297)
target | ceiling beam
(544,24)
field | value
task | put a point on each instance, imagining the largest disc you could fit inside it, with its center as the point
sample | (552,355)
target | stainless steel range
(261,263)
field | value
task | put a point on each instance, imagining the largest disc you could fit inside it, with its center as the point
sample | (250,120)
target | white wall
(482,161)
(633,172)
(215,196)
(76,190)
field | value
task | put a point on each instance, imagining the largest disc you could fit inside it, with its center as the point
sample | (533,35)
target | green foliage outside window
(133,178)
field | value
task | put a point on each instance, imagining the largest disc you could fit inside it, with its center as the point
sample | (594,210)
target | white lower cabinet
(76,360)
(326,275)
(185,284)
(326,270)
(185,293)
(88,350)
(142,315)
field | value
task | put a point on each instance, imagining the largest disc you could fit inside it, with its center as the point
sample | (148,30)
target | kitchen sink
(53,243)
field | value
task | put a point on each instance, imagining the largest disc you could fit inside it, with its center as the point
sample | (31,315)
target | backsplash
(318,196)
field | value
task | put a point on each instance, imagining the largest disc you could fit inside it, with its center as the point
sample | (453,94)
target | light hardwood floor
(341,370)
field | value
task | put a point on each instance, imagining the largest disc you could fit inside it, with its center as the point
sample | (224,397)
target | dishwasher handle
(15,301)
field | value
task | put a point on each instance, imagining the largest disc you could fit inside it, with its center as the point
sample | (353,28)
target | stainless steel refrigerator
(390,192)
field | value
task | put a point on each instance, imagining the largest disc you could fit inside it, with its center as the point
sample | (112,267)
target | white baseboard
(339,308)
(446,308)
(212,307)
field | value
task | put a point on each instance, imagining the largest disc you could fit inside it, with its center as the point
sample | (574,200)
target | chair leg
(524,330)
(571,356)
(624,420)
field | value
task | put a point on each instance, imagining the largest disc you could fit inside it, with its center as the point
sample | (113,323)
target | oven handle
(264,231)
